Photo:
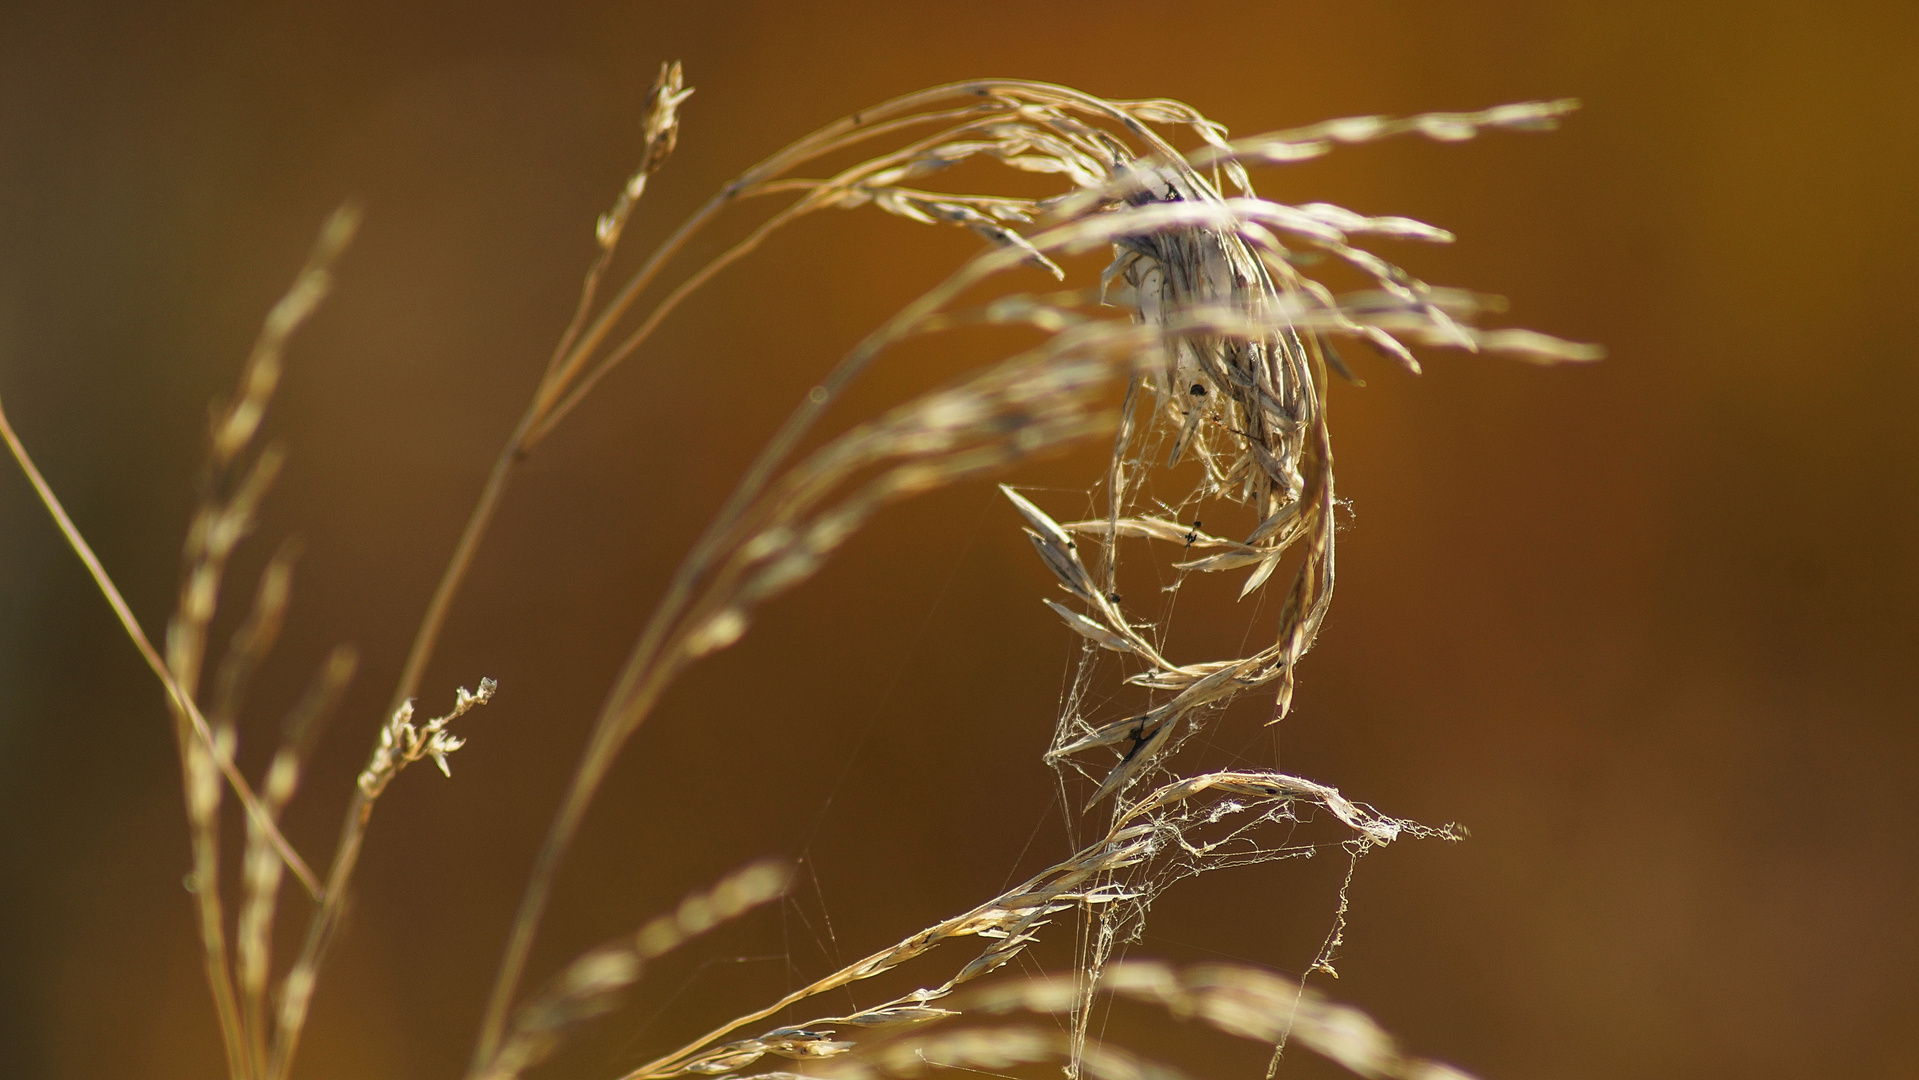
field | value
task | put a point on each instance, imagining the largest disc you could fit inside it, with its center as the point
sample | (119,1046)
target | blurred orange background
(1646,628)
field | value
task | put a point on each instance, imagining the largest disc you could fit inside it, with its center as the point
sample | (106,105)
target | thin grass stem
(178,700)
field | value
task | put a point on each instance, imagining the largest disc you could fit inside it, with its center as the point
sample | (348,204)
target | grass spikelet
(402,743)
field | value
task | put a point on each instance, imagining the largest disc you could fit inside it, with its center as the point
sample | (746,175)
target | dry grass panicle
(1203,351)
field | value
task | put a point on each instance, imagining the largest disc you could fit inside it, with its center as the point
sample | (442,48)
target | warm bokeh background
(1647,628)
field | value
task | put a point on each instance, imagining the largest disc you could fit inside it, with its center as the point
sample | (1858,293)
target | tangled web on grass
(1220,343)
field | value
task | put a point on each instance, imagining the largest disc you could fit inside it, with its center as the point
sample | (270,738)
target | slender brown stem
(816,197)
(839,135)
(559,408)
(353,829)
(641,682)
(646,675)
(593,765)
(561,374)
(183,704)
(434,621)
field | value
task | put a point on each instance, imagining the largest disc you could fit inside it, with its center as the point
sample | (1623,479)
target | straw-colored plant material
(1203,350)
(591,985)
(402,743)
(1240,1000)
(1161,839)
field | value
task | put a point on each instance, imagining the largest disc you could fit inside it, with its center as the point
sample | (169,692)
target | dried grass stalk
(262,869)
(1151,844)
(591,985)
(1203,350)
(230,495)
(1237,999)
(1226,333)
